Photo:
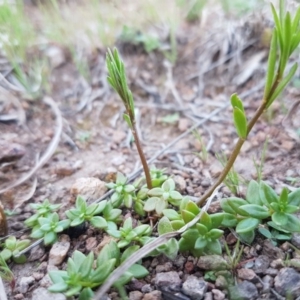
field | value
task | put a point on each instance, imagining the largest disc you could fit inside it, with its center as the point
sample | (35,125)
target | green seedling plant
(262,204)
(42,210)
(11,249)
(203,237)
(158,176)
(112,251)
(80,276)
(160,197)
(127,234)
(49,227)
(117,79)
(87,213)
(123,192)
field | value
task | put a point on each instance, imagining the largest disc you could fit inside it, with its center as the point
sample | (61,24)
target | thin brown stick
(142,156)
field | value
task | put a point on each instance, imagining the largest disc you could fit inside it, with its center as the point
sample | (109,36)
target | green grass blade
(283,84)
(278,26)
(271,64)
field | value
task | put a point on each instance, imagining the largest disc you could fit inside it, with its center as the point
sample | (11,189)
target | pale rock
(59,250)
(90,187)
(24,284)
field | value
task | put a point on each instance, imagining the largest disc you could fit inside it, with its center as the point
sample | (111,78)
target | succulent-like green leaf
(267,194)
(50,238)
(87,265)
(215,233)
(168,185)
(151,203)
(86,294)
(240,122)
(101,273)
(164,226)
(200,243)
(283,199)
(280,218)
(236,102)
(192,207)
(171,214)
(255,211)
(160,205)
(128,252)
(293,224)
(247,225)
(294,197)
(229,220)
(98,222)
(253,196)
(202,229)
(214,247)
(216,220)
(138,271)
(59,287)
(187,216)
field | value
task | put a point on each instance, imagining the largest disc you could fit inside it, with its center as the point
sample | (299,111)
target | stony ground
(95,144)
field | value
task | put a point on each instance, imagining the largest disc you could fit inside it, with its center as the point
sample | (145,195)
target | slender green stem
(142,155)
(240,142)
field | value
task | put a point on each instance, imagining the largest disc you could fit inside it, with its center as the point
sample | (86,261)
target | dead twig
(49,151)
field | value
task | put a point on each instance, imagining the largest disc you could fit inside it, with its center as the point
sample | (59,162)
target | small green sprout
(123,192)
(42,210)
(128,234)
(162,196)
(158,176)
(117,80)
(12,247)
(81,277)
(49,227)
(82,213)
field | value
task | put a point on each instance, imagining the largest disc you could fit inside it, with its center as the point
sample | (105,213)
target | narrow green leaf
(267,194)
(138,271)
(103,270)
(87,265)
(278,26)
(295,42)
(283,199)
(271,64)
(252,194)
(128,252)
(237,102)
(205,220)
(265,232)
(256,211)
(295,22)
(294,197)
(287,33)
(247,225)
(282,84)
(293,224)
(58,287)
(240,122)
